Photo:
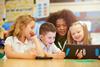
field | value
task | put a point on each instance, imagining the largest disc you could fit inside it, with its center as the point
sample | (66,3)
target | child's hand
(33,52)
(46,54)
(99,57)
(32,34)
(61,54)
(79,54)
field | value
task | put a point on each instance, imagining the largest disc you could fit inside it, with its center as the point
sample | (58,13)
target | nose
(61,27)
(76,35)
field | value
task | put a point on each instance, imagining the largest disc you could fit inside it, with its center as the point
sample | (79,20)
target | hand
(79,54)
(84,52)
(32,35)
(33,52)
(61,54)
(99,57)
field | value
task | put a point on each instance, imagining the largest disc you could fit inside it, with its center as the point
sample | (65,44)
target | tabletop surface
(50,63)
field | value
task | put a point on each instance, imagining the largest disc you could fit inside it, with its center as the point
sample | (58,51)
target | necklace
(62,47)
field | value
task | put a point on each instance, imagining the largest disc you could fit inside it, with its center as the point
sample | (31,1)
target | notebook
(89,51)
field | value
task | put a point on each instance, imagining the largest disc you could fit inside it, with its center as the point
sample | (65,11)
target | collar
(18,41)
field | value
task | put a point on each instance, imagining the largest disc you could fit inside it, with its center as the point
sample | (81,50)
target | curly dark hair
(64,14)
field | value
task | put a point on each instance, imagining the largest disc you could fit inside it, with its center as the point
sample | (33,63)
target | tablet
(89,51)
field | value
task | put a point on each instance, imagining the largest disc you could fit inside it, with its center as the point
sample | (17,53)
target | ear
(41,37)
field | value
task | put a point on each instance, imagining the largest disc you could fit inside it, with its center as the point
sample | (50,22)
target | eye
(58,26)
(78,32)
(49,37)
(73,33)
(64,25)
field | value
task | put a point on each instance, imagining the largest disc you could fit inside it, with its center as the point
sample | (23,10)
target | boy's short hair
(47,27)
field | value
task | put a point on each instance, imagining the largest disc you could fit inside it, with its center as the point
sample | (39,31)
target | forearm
(38,46)
(20,55)
(10,53)
(56,55)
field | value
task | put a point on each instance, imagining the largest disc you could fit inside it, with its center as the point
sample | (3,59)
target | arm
(38,46)
(58,55)
(11,54)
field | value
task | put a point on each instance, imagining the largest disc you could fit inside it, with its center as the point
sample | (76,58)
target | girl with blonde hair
(78,35)
(22,43)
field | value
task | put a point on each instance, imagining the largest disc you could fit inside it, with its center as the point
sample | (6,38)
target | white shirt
(18,46)
(51,49)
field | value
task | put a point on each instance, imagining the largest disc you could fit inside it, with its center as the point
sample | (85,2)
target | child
(22,43)
(47,36)
(78,35)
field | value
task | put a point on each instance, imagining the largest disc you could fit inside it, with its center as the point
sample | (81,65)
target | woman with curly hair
(62,21)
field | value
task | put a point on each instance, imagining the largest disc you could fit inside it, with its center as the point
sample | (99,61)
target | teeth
(50,43)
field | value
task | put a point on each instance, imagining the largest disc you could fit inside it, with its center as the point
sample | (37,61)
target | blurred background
(87,11)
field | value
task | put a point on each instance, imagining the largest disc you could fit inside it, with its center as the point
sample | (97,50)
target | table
(49,63)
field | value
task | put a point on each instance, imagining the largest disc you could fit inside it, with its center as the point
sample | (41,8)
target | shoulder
(9,40)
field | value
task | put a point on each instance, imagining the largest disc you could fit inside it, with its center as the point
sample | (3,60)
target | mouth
(78,38)
(63,31)
(50,43)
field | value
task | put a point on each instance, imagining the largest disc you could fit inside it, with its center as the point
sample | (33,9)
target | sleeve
(55,49)
(8,41)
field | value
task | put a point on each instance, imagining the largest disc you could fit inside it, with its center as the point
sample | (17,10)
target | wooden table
(48,63)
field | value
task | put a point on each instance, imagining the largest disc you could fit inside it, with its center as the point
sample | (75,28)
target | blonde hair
(86,40)
(21,22)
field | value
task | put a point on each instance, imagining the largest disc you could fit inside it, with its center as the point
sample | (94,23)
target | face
(29,29)
(49,38)
(77,32)
(61,27)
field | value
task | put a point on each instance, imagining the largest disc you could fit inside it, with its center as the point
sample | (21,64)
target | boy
(47,36)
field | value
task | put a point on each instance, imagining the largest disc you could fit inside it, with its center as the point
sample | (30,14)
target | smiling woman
(62,21)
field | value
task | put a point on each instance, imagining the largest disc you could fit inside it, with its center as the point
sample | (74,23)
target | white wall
(76,6)
(95,38)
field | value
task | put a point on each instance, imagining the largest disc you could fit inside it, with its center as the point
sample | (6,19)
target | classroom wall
(76,6)
(95,38)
